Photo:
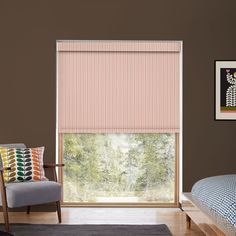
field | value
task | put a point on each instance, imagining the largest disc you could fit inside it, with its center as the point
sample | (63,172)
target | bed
(212,205)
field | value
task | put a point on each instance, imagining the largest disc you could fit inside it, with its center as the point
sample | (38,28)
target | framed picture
(225,90)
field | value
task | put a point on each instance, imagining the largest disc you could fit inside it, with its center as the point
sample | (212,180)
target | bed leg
(188,222)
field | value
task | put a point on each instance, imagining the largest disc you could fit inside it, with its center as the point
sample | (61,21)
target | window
(133,168)
(119,121)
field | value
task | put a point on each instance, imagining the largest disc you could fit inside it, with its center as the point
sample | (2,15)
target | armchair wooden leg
(188,222)
(5,215)
(59,211)
(4,202)
(28,210)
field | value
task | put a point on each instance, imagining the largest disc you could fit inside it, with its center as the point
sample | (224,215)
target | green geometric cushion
(26,164)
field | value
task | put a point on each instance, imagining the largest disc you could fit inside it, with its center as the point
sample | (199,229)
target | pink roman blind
(118,86)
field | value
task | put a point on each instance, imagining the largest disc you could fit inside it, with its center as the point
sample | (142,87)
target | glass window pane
(132,168)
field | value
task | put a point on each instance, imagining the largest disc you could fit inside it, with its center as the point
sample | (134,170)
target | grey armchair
(27,194)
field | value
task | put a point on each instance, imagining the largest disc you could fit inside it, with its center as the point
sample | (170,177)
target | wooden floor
(173,218)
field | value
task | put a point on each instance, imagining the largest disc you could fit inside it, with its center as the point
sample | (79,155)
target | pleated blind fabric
(118,86)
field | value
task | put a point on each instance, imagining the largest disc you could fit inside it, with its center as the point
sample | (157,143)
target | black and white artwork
(225,90)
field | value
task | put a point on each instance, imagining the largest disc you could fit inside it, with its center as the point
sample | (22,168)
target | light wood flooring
(173,218)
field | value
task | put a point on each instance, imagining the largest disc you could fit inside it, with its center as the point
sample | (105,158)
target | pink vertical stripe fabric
(118,86)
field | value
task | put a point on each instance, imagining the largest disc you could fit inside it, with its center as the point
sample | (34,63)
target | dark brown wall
(30,28)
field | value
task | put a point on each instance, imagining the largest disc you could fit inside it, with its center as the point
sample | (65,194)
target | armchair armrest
(2,169)
(2,182)
(53,165)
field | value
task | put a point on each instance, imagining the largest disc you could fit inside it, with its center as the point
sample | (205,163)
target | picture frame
(225,90)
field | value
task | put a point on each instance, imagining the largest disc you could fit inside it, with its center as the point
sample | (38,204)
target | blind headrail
(118,46)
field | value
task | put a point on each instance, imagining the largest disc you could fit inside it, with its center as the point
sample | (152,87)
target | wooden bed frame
(208,221)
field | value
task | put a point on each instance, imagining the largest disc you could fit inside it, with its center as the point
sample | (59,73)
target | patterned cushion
(26,164)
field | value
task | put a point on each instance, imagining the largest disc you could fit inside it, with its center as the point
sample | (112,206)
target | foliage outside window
(119,168)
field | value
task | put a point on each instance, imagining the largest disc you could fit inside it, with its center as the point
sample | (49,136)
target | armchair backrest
(13,145)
